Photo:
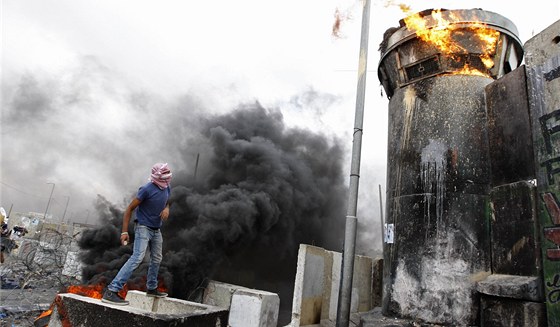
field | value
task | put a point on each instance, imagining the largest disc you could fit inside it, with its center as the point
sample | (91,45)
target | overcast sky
(101,60)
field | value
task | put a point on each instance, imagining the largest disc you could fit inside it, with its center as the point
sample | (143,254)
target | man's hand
(126,218)
(124,238)
(164,213)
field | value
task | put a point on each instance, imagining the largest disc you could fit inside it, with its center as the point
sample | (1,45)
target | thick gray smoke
(266,189)
(90,132)
(260,189)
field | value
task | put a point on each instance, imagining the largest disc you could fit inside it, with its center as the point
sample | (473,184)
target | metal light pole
(66,208)
(64,214)
(10,211)
(381,219)
(196,166)
(345,294)
(49,202)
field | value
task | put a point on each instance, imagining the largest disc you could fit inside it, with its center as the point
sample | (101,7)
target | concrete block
(254,308)
(169,305)
(309,285)
(360,300)
(361,284)
(335,271)
(514,230)
(498,312)
(377,282)
(330,290)
(515,287)
(248,307)
(219,294)
(138,299)
(76,310)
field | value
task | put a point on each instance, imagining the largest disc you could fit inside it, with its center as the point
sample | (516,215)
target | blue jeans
(144,237)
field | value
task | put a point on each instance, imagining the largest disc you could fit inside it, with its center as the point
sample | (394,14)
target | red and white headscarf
(161,175)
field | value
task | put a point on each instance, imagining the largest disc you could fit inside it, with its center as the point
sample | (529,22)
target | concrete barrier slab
(139,300)
(362,283)
(335,271)
(503,312)
(219,294)
(171,305)
(516,287)
(309,285)
(76,310)
(377,282)
(317,285)
(254,308)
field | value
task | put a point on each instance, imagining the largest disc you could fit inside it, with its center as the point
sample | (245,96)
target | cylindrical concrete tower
(438,178)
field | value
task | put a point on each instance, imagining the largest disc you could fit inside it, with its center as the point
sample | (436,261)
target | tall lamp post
(66,208)
(49,202)
(345,292)
(59,228)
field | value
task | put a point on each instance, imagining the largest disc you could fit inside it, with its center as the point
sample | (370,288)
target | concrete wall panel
(543,84)
(317,286)
(313,285)
(514,230)
(362,283)
(335,287)
(509,129)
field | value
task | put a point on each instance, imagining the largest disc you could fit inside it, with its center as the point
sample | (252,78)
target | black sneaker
(155,293)
(113,298)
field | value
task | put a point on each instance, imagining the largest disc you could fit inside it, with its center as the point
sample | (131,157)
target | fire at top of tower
(433,42)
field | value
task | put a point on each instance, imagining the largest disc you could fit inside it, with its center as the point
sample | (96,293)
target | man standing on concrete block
(152,208)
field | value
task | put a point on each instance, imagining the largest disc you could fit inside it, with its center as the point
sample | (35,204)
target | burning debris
(336,24)
(339,19)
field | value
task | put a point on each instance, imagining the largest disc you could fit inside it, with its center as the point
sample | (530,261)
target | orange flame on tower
(443,34)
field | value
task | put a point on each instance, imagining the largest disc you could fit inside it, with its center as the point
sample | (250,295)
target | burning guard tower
(472,132)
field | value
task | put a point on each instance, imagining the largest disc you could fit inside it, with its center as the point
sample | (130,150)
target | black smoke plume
(241,216)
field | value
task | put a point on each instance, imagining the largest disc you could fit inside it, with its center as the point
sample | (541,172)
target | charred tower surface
(434,68)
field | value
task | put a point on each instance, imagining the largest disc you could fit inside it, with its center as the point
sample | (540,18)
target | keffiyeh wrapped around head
(161,175)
